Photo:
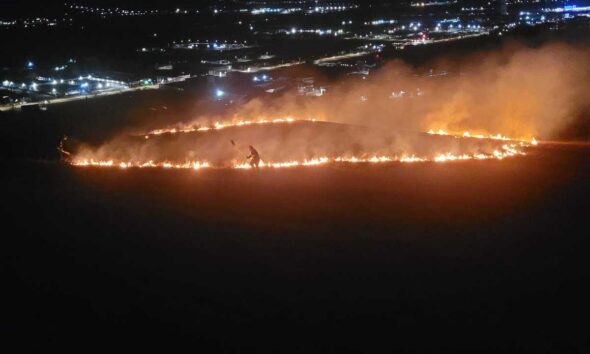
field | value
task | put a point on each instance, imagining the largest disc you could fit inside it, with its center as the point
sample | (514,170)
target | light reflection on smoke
(491,100)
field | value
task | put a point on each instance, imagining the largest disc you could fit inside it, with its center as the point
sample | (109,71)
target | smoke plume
(517,91)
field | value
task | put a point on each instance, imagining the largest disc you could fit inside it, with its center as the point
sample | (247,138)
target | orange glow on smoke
(224,125)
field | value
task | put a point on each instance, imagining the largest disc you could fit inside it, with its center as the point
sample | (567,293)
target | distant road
(341,57)
(268,68)
(9,107)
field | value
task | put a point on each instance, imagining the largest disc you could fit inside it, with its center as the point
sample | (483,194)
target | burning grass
(289,143)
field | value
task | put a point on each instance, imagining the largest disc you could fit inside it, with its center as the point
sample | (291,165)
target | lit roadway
(9,107)
(268,68)
(341,57)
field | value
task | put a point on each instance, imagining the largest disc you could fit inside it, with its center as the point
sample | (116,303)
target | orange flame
(467,134)
(195,165)
(223,125)
(513,147)
(507,150)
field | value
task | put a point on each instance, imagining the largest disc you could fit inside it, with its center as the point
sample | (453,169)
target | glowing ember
(507,150)
(195,165)
(479,136)
(512,147)
(220,125)
(412,158)
(312,162)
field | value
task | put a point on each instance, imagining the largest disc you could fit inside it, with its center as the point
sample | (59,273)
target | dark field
(475,256)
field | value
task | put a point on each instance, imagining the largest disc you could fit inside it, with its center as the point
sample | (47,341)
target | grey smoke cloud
(517,91)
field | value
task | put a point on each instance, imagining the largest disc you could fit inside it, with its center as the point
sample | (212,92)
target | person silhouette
(254,157)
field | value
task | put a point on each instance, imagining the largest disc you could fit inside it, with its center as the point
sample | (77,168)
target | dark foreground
(479,256)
